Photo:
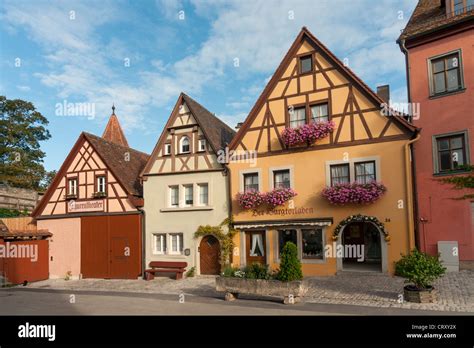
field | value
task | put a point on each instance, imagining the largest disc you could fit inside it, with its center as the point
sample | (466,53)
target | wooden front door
(255,247)
(209,255)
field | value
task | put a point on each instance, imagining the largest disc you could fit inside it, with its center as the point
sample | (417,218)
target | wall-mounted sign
(284,211)
(187,252)
(85,206)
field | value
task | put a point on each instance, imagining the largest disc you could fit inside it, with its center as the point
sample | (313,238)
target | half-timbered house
(322,133)
(92,208)
(186,186)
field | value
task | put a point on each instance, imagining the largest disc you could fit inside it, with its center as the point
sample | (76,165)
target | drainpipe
(143,263)
(416,217)
(409,187)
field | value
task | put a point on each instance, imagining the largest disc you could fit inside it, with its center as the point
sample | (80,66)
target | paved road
(20,301)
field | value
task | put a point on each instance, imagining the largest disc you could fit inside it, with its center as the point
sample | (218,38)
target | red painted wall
(448,219)
(17,270)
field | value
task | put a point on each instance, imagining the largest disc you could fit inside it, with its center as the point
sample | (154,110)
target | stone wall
(18,198)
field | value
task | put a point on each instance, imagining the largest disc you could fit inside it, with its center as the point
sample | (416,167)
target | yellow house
(365,147)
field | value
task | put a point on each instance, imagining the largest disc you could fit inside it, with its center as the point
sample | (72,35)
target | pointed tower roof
(113,132)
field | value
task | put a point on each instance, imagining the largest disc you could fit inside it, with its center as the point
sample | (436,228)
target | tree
(47,180)
(22,127)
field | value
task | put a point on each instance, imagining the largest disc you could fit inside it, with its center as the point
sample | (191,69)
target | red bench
(165,266)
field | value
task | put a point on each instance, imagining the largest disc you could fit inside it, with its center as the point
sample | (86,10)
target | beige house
(185,186)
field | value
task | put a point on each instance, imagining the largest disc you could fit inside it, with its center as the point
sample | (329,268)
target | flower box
(279,196)
(250,199)
(99,195)
(307,133)
(290,292)
(354,193)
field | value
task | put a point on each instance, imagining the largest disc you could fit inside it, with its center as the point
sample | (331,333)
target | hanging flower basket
(307,133)
(279,196)
(354,193)
(251,199)
(360,218)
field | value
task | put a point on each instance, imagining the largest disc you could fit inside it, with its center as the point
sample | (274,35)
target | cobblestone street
(455,291)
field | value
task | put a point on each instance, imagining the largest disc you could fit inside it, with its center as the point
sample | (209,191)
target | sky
(139,55)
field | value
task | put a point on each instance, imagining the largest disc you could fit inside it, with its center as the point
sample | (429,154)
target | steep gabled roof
(217,133)
(327,54)
(114,157)
(113,131)
(430,16)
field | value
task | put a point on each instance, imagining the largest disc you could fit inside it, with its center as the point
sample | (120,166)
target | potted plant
(420,270)
(279,196)
(250,199)
(354,193)
(257,279)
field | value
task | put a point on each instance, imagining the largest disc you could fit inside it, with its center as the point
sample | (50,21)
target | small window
(202,144)
(451,152)
(446,75)
(312,243)
(340,174)
(188,195)
(257,248)
(319,113)
(185,145)
(251,182)
(365,172)
(285,236)
(176,243)
(167,149)
(174,196)
(306,64)
(159,243)
(297,116)
(281,179)
(72,187)
(203,194)
(101,184)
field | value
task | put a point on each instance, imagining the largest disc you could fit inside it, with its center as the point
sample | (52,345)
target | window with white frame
(297,116)
(188,195)
(281,179)
(251,182)
(202,145)
(184,145)
(159,243)
(174,196)
(319,113)
(176,243)
(168,149)
(101,184)
(203,194)
(339,174)
(72,187)
(364,172)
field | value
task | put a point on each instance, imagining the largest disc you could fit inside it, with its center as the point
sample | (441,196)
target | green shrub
(229,271)
(257,271)
(290,265)
(6,213)
(419,268)
(191,272)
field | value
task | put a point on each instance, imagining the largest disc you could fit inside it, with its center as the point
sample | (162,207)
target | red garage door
(28,260)
(111,246)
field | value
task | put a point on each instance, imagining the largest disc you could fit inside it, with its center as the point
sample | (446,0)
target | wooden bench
(165,266)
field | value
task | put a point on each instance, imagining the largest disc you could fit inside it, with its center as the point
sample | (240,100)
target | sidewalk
(455,290)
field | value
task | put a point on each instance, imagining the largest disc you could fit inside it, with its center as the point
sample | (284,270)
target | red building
(438,46)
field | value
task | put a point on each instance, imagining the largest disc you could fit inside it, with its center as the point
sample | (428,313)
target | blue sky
(141,54)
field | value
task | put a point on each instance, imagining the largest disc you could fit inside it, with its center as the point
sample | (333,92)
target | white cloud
(23,88)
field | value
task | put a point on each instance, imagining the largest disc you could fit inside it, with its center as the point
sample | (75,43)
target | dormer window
(184,145)
(202,144)
(306,64)
(167,149)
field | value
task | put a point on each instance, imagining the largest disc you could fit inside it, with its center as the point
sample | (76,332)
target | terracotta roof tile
(218,133)
(113,132)
(429,15)
(115,156)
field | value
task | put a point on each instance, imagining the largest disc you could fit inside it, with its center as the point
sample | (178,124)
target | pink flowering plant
(279,196)
(354,193)
(307,133)
(250,199)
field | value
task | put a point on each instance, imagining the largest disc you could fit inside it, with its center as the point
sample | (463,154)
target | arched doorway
(362,247)
(209,250)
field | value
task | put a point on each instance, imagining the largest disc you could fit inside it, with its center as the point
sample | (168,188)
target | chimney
(239,125)
(384,92)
